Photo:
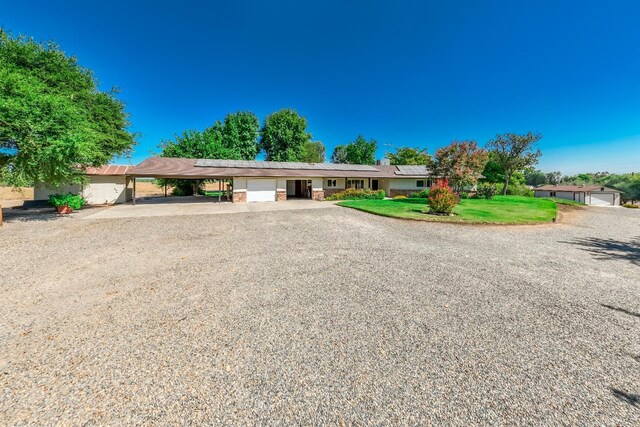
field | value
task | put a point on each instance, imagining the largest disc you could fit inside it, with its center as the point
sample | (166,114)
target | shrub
(358,194)
(424,194)
(519,190)
(486,191)
(465,195)
(183,187)
(74,201)
(631,206)
(400,197)
(442,199)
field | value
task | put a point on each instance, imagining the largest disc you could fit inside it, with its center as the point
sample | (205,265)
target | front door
(374,184)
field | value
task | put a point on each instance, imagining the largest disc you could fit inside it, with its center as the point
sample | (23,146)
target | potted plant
(66,203)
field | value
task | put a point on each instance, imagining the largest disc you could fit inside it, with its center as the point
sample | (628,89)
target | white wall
(316,184)
(42,192)
(406,184)
(98,190)
(239,184)
(105,190)
(340,183)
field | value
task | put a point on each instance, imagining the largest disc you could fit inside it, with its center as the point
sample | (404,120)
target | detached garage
(105,185)
(592,195)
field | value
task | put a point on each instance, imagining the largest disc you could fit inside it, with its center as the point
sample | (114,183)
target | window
(332,183)
(355,183)
(420,183)
(552,194)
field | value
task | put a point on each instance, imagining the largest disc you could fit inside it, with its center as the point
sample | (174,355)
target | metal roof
(412,170)
(109,170)
(591,188)
(181,168)
(255,164)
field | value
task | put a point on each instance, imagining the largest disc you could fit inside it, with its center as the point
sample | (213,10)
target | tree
(54,122)
(535,177)
(283,136)
(314,152)
(514,152)
(554,178)
(357,152)
(409,156)
(339,154)
(628,184)
(193,144)
(240,134)
(493,171)
(461,162)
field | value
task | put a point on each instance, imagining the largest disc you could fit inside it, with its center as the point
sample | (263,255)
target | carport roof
(169,167)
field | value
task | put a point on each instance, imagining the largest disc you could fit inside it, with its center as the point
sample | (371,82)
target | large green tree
(514,152)
(357,152)
(194,144)
(409,156)
(535,177)
(461,162)
(314,152)
(240,134)
(284,135)
(339,154)
(54,121)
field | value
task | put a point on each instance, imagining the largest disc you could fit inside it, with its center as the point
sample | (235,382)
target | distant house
(105,185)
(592,195)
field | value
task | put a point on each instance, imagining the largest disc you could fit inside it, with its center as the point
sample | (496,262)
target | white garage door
(261,190)
(601,199)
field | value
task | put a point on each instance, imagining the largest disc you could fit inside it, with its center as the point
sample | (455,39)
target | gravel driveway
(329,316)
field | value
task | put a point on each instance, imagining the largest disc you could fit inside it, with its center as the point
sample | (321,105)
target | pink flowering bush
(442,199)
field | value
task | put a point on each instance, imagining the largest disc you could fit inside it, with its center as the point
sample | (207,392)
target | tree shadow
(621,310)
(610,249)
(631,399)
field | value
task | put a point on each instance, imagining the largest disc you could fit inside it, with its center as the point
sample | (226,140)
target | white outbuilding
(104,186)
(592,195)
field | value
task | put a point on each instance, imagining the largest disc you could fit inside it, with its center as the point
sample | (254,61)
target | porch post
(219,191)
(134,191)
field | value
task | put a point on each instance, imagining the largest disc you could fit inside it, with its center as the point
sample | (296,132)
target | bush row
(358,194)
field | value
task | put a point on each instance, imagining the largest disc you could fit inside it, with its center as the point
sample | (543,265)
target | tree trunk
(506,184)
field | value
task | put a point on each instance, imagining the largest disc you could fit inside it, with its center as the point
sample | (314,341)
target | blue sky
(405,73)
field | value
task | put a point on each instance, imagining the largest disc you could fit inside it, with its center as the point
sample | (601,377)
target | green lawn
(499,210)
(565,201)
(213,193)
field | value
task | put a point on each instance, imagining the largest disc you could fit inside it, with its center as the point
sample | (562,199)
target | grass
(213,193)
(499,210)
(565,201)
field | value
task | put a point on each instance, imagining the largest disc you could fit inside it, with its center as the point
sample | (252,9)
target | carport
(176,168)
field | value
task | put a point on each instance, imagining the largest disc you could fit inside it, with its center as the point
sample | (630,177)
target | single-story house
(250,181)
(592,195)
(259,181)
(104,185)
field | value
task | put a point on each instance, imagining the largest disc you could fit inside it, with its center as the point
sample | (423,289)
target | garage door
(261,190)
(601,199)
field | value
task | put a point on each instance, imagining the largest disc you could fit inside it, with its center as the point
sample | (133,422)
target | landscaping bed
(499,210)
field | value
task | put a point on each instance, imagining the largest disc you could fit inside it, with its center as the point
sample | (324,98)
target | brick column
(239,196)
(318,195)
(281,196)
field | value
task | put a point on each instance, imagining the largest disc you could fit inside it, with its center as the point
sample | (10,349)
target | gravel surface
(329,316)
